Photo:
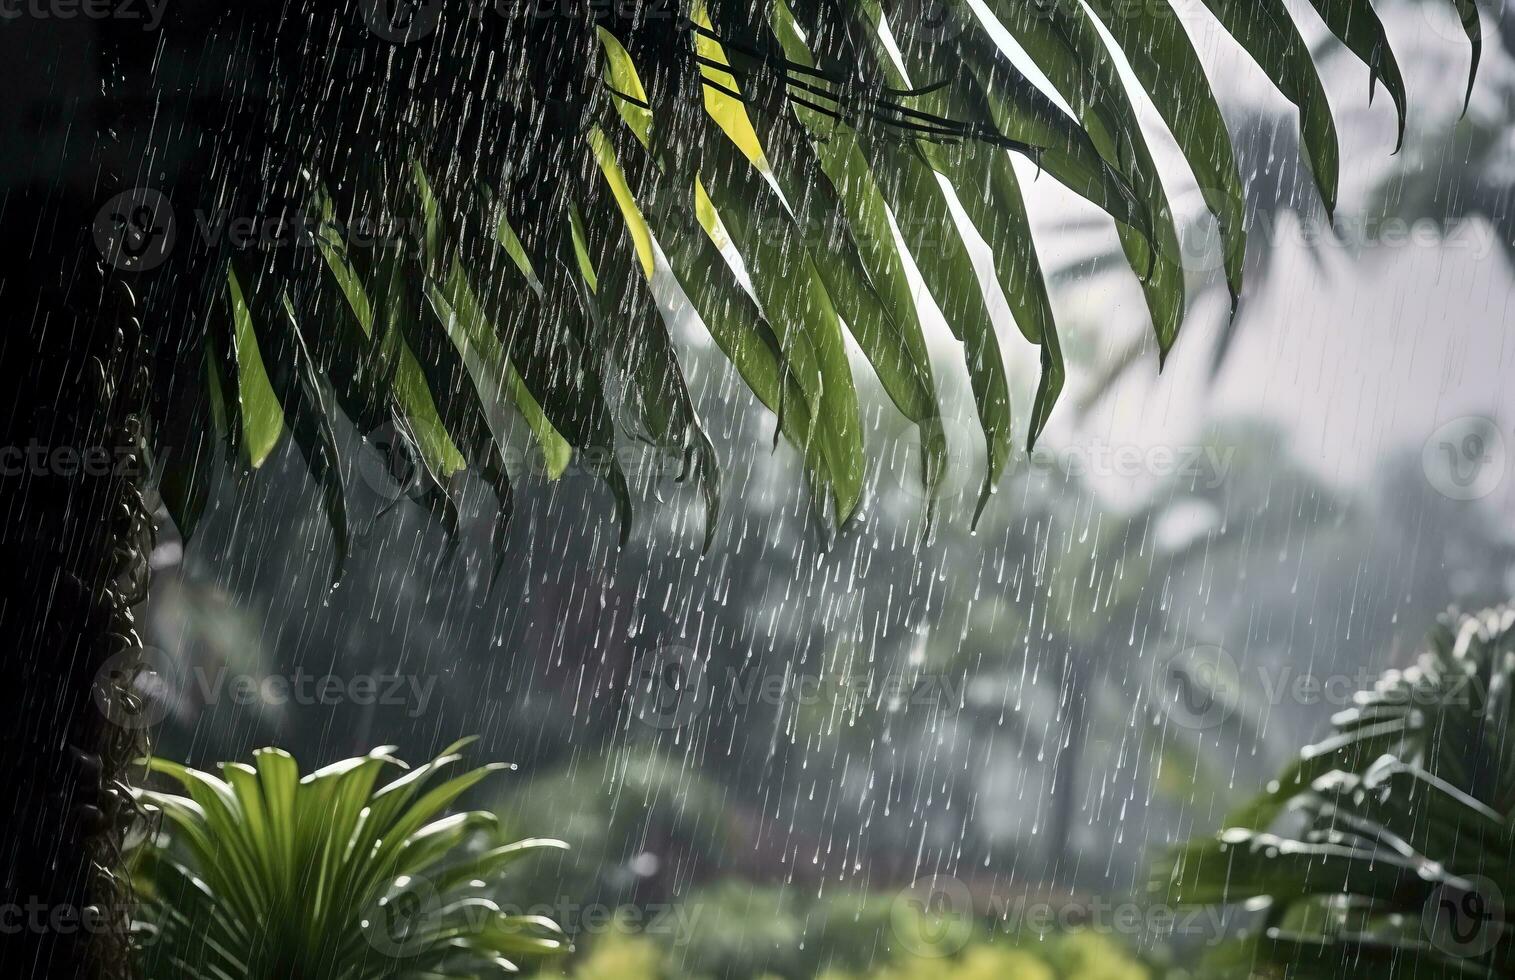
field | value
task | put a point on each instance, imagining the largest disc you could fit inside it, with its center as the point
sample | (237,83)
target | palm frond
(261,873)
(529,173)
(1388,846)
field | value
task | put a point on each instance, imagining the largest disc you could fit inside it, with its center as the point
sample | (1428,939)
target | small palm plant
(265,874)
(1383,850)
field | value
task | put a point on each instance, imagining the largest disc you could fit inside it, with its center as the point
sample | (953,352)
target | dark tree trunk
(1066,766)
(75,534)
(73,526)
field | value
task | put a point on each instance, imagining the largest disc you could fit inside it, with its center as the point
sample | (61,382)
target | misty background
(1302,489)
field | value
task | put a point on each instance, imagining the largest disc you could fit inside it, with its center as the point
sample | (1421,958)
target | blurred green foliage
(732,931)
(1079,956)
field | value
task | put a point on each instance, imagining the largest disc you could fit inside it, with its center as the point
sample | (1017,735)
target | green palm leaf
(1389,845)
(260,873)
(787,162)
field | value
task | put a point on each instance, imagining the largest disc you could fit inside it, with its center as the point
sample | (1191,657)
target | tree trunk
(1066,765)
(76,536)
(73,526)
